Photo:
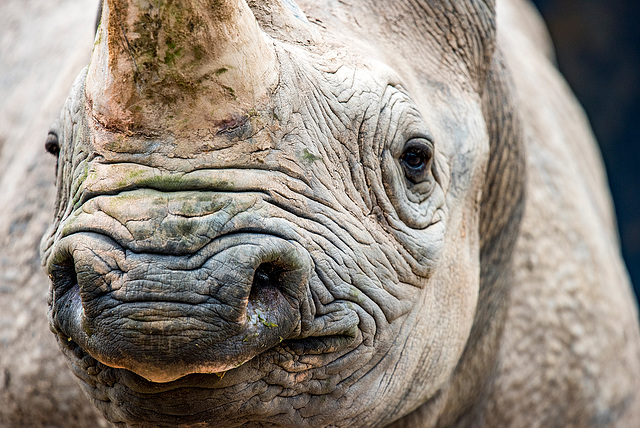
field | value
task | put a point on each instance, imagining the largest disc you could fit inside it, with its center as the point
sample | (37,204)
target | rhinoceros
(335,213)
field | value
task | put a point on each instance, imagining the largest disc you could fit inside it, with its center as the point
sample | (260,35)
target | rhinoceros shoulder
(570,346)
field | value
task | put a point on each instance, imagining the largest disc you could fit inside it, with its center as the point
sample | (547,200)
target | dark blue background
(598,50)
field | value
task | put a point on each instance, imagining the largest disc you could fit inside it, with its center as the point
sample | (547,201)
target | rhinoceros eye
(52,145)
(416,159)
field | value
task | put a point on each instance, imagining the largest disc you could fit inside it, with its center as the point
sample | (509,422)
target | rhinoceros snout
(164,317)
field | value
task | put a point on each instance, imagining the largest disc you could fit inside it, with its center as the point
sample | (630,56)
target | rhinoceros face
(264,232)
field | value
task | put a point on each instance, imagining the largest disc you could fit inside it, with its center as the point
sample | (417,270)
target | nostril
(280,280)
(266,281)
(65,293)
(63,277)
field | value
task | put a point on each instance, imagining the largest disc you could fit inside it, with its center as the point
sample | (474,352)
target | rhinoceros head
(263,220)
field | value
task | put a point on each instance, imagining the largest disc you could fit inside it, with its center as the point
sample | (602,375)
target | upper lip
(76,320)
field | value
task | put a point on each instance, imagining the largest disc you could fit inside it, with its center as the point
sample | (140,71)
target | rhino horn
(178,63)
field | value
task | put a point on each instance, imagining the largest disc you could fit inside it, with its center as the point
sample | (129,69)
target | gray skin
(342,243)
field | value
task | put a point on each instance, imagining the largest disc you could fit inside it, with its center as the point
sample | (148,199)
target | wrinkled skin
(334,250)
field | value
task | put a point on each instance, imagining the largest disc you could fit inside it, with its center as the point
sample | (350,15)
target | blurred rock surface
(43,46)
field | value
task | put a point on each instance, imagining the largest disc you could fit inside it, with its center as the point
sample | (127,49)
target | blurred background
(597,46)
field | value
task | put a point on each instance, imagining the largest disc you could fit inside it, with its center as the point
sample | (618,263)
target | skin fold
(334,214)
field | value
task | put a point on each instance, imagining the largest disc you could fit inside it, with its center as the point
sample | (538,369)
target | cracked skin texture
(545,337)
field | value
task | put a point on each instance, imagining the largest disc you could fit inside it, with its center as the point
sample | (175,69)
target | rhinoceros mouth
(164,317)
(198,397)
(92,371)
(126,397)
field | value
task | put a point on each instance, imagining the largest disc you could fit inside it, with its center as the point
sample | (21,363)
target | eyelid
(421,136)
(419,144)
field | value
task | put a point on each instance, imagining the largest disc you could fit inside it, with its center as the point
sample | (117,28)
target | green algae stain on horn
(309,157)
(173,51)
(169,66)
